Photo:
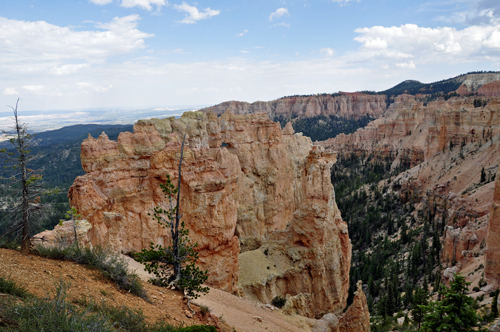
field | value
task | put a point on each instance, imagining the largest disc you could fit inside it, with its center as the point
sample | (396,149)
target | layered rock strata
(492,258)
(256,198)
(444,145)
(345,104)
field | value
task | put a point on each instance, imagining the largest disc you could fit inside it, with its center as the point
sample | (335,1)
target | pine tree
(494,304)
(27,208)
(483,176)
(454,312)
(420,300)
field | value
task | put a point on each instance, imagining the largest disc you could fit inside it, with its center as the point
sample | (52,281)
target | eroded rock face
(357,316)
(492,259)
(353,105)
(247,188)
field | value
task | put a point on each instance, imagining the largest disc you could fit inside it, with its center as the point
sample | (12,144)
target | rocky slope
(445,146)
(257,199)
(492,259)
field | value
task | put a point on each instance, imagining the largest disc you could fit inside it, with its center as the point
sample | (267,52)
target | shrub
(204,310)
(9,244)
(475,289)
(109,264)
(58,315)
(279,302)
(9,286)
(55,314)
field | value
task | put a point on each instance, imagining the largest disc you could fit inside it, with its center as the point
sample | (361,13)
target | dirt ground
(227,312)
(39,276)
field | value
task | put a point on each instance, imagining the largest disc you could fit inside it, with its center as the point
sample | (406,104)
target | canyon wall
(492,259)
(352,105)
(443,145)
(258,200)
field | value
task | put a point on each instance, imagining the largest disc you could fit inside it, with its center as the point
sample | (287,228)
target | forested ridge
(57,159)
(396,248)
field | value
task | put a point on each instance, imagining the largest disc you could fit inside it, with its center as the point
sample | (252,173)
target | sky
(136,54)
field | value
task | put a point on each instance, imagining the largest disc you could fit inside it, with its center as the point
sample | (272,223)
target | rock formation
(64,234)
(443,145)
(256,199)
(344,105)
(492,259)
(357,316)
(355,319)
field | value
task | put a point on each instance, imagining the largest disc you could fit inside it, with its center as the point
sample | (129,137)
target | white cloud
(42,90)
(278,13)
(241,34)
(101,2)
(10,91)
(282,24)
(244,51)
(145,4)
(96,88)
(431,45)
(194,14)
(344,2)
(328,51)
(41,46)
(406,65)
(68,69)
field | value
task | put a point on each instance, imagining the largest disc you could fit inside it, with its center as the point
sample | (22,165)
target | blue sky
(67,55)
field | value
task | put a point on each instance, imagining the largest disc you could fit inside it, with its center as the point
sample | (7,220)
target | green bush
(9,286)
(9,244)
(109,264)
(279,302)
(57,314)
(198,328)
(53,314)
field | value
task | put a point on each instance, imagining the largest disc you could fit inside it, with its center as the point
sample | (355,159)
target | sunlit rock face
(492,259)
(256,198)
(353,105)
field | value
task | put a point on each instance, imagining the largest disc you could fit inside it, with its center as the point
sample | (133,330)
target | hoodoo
(258,200)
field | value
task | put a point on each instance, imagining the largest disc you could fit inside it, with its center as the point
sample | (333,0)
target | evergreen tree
(420,300)
(27,209)
(483,176)
(494,304)
(454,313)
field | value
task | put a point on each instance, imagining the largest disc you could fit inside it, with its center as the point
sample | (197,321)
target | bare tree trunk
(175,230)
(25,246)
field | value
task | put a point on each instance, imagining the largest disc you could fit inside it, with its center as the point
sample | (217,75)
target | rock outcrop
(492,259)
(344,104)
(64,234)
(357,316)
(256,199)
(355,319)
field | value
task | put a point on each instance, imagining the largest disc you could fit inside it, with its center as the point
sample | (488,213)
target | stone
(354,105)
(495,327)
(357,316)
(64,235)
(492,256)
(257,199)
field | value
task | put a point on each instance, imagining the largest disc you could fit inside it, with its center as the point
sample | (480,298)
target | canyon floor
(227,312)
